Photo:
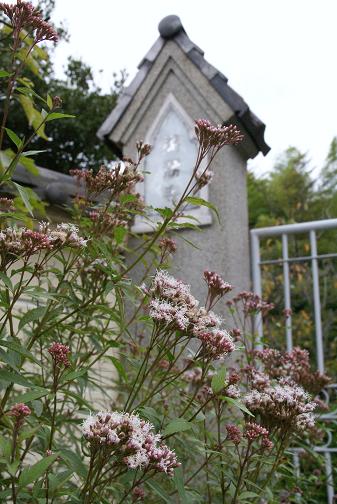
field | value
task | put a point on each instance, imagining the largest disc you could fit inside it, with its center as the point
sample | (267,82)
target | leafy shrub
(176,424)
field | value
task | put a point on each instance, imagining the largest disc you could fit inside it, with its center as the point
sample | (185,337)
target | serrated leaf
(33,115)
(218,380)
(119,366)
(16,347)
(248,495)
(201,202)
(6,280)
(74,462)
(11,377)
(14,137)
(32,395)
(179,483)
(166,212)
(159,491)
(72,375)
(33,473)
(119,234)
(178,425)
(24,196)
(238,405)
(58,115)
(3,73)
(32,316)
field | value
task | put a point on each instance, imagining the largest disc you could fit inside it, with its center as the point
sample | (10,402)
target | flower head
(210,136)
(130,439)
(217,287)
(233,433)
(282,405)
(59,353)
(23,15)
(254,431)
(167,246)
(216,343)
(20,411)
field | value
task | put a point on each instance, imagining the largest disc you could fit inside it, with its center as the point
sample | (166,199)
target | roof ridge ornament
(170,26)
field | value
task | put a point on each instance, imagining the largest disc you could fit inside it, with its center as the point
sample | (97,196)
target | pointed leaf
(218,380)
(201,202)
(32,316)
(33,473)
(178,425)
(59,115)
(24,196)
(14,137)
(31,396)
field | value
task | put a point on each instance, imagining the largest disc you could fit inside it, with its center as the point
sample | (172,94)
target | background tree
(291,193)
(78,146)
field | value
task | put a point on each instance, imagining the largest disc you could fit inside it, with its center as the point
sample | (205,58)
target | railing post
(287,293)
(257,287)
(317,302)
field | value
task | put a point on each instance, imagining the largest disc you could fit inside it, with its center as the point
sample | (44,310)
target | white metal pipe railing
(283,232)
(295,228)
(286,289)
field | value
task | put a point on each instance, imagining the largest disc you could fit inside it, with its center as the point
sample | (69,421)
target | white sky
(280,55)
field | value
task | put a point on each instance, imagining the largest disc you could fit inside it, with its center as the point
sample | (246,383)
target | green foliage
(77,334)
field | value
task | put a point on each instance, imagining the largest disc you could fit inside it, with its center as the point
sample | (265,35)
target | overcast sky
(280,55)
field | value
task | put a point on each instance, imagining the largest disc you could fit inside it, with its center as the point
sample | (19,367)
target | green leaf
(237,404)
(73,374)
(179,483)
(32,316)
(33,473)
(119,234)
(201,202)
(159,491)
(218,380)
(32,152)
(6,280)
(32,395)
(49,102)
(33,115)
(3,73)
(166,212)
(14,137)
(24,196)
(178,425)
(16,347)
(74,462)
(119,366)
(58,115)
(11,377)
(248,495)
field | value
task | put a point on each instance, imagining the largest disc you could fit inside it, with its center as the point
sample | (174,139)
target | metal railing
(285,261)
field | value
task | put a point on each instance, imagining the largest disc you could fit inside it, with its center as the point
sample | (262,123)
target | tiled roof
(171,28)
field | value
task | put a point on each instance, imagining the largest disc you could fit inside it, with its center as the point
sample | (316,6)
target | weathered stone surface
(175,66)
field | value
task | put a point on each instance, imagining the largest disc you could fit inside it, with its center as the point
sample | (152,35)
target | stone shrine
(174,86)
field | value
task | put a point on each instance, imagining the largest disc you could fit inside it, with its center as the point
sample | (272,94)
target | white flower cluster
(64,234)
(130,439)
(24,242)
(283,404)
(172,304)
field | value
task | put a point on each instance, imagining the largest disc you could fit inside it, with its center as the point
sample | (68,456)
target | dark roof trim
(171,28)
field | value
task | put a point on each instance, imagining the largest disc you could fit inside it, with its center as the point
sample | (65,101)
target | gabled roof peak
(171,29)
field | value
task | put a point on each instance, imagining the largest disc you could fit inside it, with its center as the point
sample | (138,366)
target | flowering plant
(191,409)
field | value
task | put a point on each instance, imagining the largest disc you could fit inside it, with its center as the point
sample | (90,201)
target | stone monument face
(175,86)
(171,161)
(169,168)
